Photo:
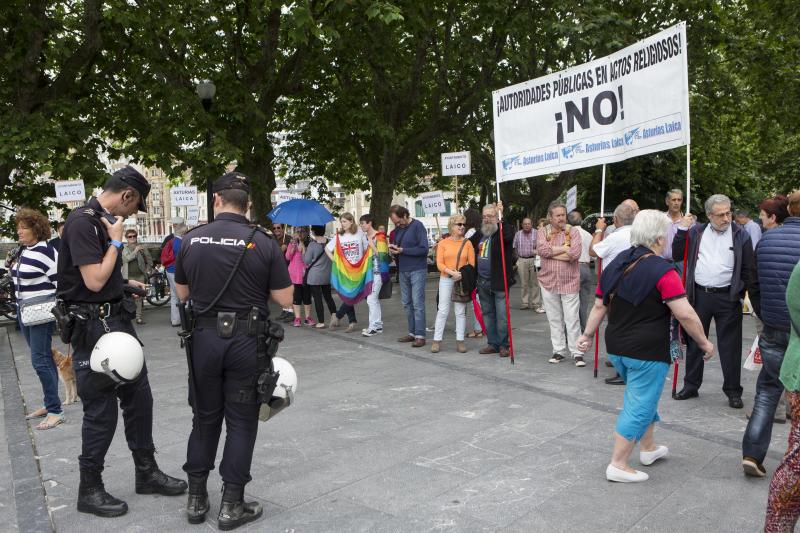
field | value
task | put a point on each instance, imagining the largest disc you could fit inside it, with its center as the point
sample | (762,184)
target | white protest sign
(455,164)
(285,196)
(572,199)
(433,202)
(183,195)
(192,215)
(632,102)
(70,191)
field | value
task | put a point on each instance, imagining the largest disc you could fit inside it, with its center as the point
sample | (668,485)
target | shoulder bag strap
(230,276)
(625,273)
(458,257)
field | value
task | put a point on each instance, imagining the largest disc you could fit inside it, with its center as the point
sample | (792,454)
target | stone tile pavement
(385,437)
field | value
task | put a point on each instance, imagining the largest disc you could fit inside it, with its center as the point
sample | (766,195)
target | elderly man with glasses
(137,263)
(719,269)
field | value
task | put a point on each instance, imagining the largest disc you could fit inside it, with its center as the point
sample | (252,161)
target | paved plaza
(386,437)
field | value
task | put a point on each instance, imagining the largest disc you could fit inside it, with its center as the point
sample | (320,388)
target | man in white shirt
(619,241)
(613,244)
(720,267)
(575,218)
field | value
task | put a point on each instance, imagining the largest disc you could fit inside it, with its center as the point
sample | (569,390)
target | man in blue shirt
(410,248)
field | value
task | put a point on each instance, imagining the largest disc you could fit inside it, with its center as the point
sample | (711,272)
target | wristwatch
(118,244)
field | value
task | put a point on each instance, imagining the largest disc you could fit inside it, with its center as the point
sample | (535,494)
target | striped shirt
(34,272)
(525,243)
(556,276)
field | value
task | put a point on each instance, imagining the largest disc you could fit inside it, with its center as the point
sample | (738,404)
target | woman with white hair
(640,291)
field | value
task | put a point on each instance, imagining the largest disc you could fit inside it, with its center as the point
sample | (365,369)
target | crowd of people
(659,279)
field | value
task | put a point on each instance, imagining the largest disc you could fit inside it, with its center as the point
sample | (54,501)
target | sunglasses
(459,224)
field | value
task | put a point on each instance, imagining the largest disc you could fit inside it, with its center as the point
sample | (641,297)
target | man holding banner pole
(495,275)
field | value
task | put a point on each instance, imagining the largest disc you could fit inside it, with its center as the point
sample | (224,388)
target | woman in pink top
(297,272)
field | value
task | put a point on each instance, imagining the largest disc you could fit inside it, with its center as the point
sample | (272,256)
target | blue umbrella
(301,212)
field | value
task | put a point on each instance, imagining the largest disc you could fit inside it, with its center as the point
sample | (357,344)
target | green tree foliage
(48,76)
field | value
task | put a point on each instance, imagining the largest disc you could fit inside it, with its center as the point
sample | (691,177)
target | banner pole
(685,257)
(505,278)
(599,270)
(438,227)
(688,180)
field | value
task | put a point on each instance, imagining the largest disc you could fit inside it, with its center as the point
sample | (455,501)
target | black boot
(151,480)
(93,498)
(197,506)
(234,511)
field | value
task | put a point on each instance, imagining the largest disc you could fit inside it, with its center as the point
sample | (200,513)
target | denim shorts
(644,381)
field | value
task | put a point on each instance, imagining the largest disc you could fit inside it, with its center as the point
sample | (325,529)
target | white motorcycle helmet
(283,396)
(119,355)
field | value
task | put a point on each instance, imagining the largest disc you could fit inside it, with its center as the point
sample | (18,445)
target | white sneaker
(623,476)
(370,332)
(648,458)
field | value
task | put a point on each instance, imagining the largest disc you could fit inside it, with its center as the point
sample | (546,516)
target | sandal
(39,413)
(475,334)
(51,421)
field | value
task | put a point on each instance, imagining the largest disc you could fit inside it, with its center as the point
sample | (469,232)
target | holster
(187,327)
(64,321)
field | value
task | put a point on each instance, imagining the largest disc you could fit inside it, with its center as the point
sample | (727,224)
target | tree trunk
(259,169)
(381,201)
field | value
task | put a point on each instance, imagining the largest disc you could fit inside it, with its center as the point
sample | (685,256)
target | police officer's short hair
(235,198)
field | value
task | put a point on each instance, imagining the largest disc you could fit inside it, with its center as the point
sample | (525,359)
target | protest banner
(456,164)
(285,196)
(192,215)
(70,191)
(632,102)
(186,196)
(433,202)
(572,199)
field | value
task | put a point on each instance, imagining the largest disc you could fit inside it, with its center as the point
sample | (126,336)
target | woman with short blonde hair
(452,253)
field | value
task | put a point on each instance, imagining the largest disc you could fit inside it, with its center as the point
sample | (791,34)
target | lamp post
(205,91)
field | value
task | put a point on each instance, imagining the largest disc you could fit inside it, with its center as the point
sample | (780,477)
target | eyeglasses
(722,215)
(459,224)
(130,236)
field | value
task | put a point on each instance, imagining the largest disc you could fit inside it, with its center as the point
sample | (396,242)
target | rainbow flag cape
(382,244)
(353,281)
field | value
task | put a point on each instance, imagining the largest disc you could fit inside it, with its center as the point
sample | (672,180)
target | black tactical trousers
(222,367)
(100,397)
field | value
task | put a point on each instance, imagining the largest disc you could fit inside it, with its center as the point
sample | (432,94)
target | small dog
(67,375)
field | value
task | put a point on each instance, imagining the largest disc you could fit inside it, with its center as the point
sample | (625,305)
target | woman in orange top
(446,259)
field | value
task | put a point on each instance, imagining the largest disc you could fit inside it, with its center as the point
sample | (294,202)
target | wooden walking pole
(505,278)
(599,271)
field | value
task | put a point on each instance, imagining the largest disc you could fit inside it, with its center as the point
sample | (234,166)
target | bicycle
(158,288)
(8,299)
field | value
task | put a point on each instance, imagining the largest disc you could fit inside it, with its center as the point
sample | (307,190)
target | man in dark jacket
(777,253)
(491,290)
(720,268)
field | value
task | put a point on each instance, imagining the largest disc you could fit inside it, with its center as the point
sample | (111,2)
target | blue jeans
(40,340)
(644,381)
(412,294)
(769,388)
(493,307)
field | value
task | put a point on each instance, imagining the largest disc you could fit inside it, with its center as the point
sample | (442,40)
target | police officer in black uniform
(227,325)
(91,290)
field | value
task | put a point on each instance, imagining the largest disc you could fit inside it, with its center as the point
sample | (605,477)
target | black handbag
(386,290)
(461,292)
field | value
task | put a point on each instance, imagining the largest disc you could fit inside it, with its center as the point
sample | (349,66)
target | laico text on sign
(185,196)
(433,202)
(456,164)
(70,191)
